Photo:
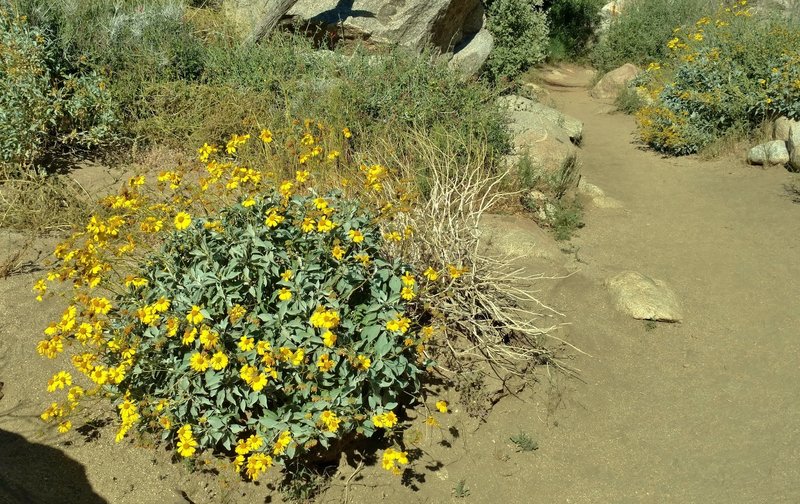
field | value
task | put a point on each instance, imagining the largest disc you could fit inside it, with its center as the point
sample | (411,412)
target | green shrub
(246,315)
(573,25)
(45,106)
(731,72)
(520,34)
(640,33)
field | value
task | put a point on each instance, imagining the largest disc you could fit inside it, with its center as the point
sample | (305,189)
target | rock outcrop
(471,54)
(769,153)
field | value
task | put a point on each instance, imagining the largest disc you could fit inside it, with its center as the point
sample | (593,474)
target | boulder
(571,126)
(780,130)
(644,298)
(514,236)
(472,53)
(793,145)
(608,14)
(609,86)
(770,153)
(411,23)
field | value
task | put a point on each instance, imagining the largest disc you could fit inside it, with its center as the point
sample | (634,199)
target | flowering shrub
(42,104)
(241,314)
(733,71)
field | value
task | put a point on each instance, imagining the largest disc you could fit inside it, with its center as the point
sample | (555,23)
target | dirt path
(707,411)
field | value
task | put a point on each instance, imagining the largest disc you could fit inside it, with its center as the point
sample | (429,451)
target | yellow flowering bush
(727,72)
(240,313)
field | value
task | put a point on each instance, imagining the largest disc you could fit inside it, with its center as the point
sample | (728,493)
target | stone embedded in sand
(793,145)
(516,237)
(769,153)
(596,195)
(644,298)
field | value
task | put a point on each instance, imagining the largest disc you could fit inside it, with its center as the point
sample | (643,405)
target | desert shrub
(238,312)
(639,34)
(573,26)
(46,106)
(729,72)
(520,34)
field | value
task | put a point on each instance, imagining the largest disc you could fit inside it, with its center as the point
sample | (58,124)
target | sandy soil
(706,411)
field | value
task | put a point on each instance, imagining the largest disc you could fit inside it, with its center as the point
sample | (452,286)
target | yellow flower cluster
(385,420)
(329,420)
(130,415)
(187,444)
(393,460)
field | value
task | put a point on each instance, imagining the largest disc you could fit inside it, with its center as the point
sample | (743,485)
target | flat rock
(644,298)
(517,237)
(596,195)
(609,86)
(542,114)
(567,76)
(769,153)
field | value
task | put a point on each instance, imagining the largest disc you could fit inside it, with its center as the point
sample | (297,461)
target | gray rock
(644,298)
(793,146)
(770,153)
(571,126)
(781,128)
(609,86)
(516,237)
(411,23)
(471,55)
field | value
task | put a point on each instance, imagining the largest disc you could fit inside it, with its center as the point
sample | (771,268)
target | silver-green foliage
(240,260)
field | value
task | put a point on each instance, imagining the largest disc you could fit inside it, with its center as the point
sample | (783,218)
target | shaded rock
(644,298)
(571,126)
(609,86)
(516,236)
(472,53)
(781,128)
(770,153)
(411,23)
(793,146)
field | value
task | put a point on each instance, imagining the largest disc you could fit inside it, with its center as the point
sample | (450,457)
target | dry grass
(492,314)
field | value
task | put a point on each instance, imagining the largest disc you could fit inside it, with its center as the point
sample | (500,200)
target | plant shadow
(32,472)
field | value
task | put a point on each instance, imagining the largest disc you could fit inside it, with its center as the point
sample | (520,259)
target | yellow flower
(393,459)
(356,236)
(328,339)
(320,203)
(182,221)
(431,274)
(164,422)
(40,287)
(287,275)
(301,176)
(189,336)
(99,375)
(441,406)
(325,225)
(265,136)
(330,420)
(455,272)
(195,316)
(308,225)
(205,151)
(407,293)
(364,362)
(346,132)
(64,426)
(398,324)
(246,344)
(363,258)
(385,421)
(333,155)
(186,446)
(248,202)
(325,364)
(408,279)
(337,252)
(257,463)
(394,236)
(326,319)
(199,362)
(284,439)
(59,381)
(219,361)
(99,306)
(259,382)
(161,305)
(274,219)
(284,294)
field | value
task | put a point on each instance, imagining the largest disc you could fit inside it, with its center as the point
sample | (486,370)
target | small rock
(782,127)
(535,92)
(542,115)
(596,195)
(609,86)
(773,153)
(470,57)
(644,298)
